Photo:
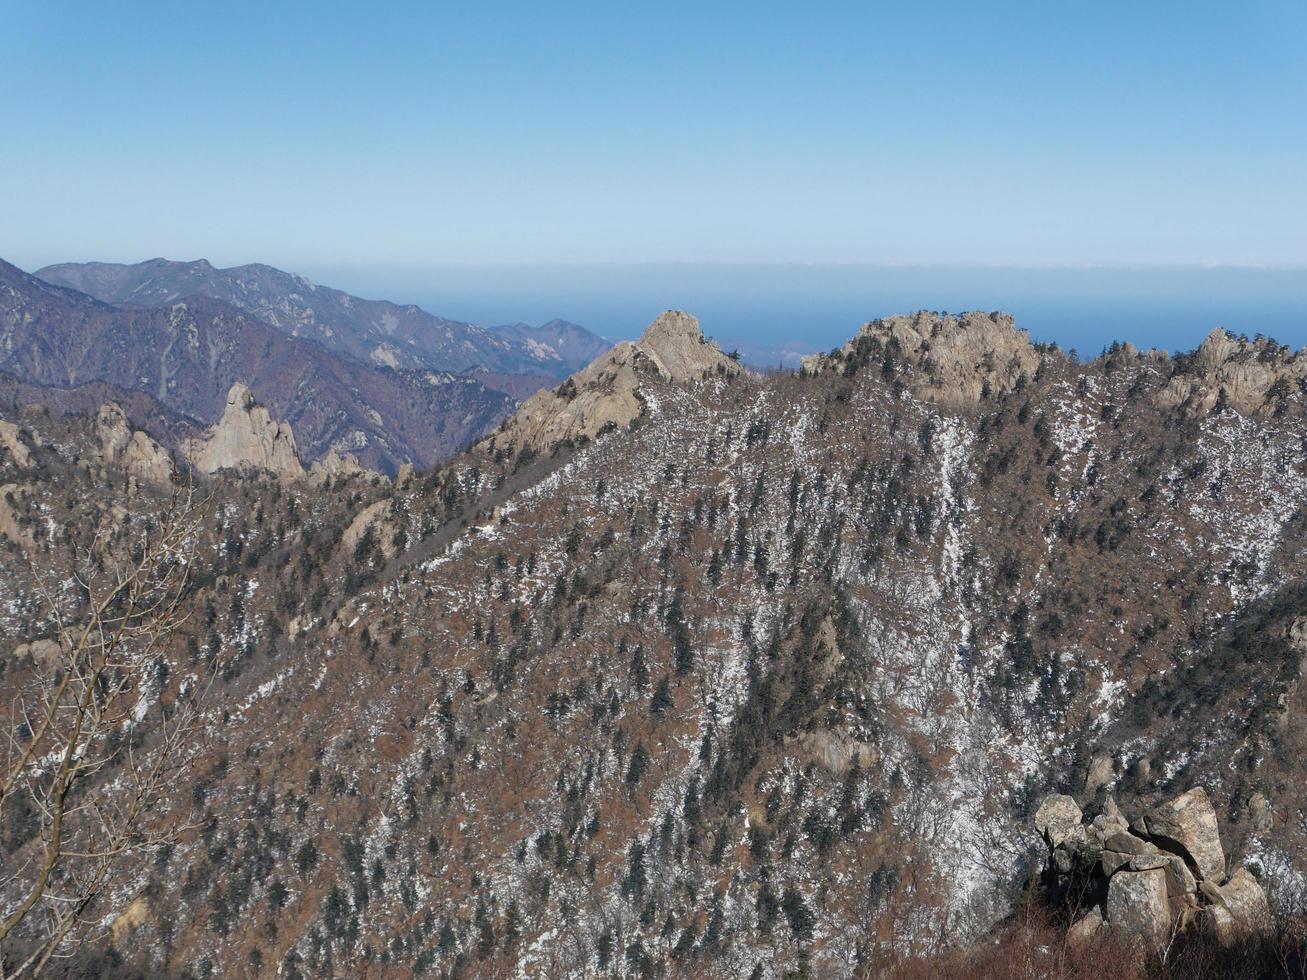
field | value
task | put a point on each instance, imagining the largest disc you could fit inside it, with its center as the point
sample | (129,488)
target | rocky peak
(607,392)
(1250,376)
(247,438)
(679,350)
(956,359)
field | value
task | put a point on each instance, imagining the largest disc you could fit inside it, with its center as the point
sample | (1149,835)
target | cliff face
(610,392)
(247,438)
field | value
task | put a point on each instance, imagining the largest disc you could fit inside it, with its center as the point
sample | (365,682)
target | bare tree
(92,745)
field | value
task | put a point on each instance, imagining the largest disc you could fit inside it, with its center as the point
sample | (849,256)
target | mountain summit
(612,391)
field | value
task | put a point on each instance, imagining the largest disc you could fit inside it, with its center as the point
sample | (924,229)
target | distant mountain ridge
(563,340)
(400,336)
(189,353)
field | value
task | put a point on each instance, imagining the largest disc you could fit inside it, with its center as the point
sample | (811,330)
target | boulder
(1180,881)
(1100,772)
(1187,826)
(1218,920)
(1058,819)
(1113,861)
(1127,843)
(1258,814)
(1137,905)
(1244,899)
(1149,862)
(1110,821)
(1085,928)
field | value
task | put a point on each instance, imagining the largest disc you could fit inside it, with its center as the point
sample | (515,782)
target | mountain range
(387,384)
(375,331)
(685,670)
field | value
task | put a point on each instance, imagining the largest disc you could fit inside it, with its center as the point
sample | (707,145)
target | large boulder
(1137,905)
(1085,929)
(1058,819)
(1187,826)
(1180,882)
(1238,907)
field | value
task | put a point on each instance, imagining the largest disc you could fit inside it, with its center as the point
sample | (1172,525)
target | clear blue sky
(384,135)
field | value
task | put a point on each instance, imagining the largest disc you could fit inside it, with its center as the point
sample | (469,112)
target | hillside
(686,671)
(188,354)
(374,331)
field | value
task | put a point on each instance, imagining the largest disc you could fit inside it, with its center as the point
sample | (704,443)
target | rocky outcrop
(12,525)
(373,519)
(11,438)
(47,655)
(1249,376)
(336,465)
(144,459)
(1149,878)
(954,360)
(607,394)
(246,439)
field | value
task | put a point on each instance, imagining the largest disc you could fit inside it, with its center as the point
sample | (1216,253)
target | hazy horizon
(821,306)
(810,307)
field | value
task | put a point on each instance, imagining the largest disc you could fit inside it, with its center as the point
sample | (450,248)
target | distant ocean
(764,308)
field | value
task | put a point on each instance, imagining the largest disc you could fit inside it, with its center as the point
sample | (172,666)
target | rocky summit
(945,653)
(608,393)
(246,438)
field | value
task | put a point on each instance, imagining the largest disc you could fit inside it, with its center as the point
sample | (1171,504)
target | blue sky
(409,136)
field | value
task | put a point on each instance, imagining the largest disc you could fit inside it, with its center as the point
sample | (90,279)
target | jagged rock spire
(247,438)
